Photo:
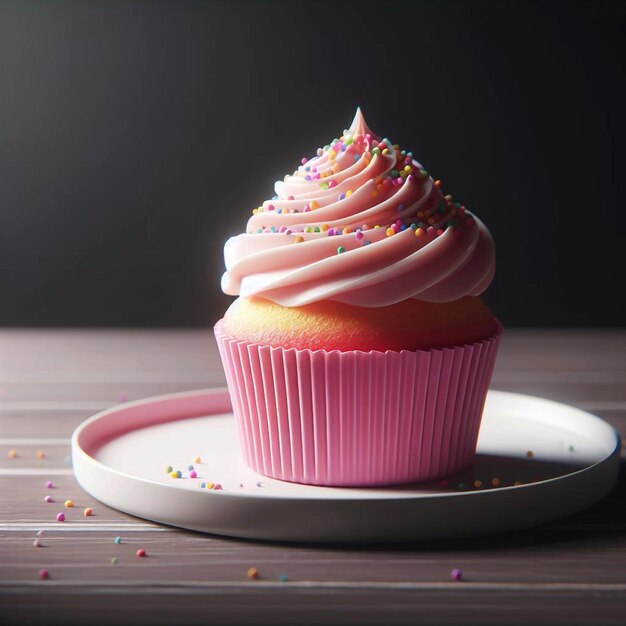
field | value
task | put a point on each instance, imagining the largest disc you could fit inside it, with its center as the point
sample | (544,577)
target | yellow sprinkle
(419,232)
(210,485)
(408,169)
(347,230)
(385,151)
(348,193)
(403,174)
(255,211)
(298,239)
(517,483)
(377,226)
(478,483)
(174,474)
(323,175)
(396,146)
(313,205)
(332,154)
(324,227)
(69,504)
(390,231)
(197,459)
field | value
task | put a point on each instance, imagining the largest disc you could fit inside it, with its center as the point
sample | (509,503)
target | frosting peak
(361,222)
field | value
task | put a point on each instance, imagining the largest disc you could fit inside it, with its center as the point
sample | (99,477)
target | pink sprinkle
(303,160)
(60,517)
(306,209)
(399,223)
(290,198)
(193,474)
(430,229)
(44,574)
(270,207)
(288,231)
(282,229)
(49,485)
(48,499)
(410,178)
(359,235)
(218,487)
(456,574)
(332,183)
(141,552)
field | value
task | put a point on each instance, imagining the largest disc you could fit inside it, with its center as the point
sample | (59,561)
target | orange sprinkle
(419,232)
(495,482)
(13,454)
(347,230)
(390,231)
(478,483)
(438,184)
(298,239)
(324,227)
(253,573)
(374,193)
(313,205)
(41,454)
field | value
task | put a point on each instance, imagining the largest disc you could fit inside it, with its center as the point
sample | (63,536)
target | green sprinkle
(316,229)
(169,469)
(340,249)
(308,229)
(423,173)
(413,226)
(324,185)
(376,150)
(394,174)
(348,142)
(114,560)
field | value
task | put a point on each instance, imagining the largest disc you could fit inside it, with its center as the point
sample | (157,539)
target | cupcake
(359,351)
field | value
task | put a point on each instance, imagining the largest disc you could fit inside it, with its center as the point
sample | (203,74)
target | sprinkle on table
(13,454)
(48,499)
(44,574)
(37,543)
(113,560)
(530,454)
(69,504)
(41,454)
(88,512)
(117,540)
(169,469)
(495,482)
(253,573)
(60,517)
(49,485)
(197,459)
(456,574)
(141,553)
(283,578)
(193,474)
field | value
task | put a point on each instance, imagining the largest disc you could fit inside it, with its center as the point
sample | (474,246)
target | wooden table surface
(569,572)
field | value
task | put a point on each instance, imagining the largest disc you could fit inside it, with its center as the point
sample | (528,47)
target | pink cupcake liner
(357,418)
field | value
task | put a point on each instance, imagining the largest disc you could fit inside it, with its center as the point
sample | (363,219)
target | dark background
(135,137)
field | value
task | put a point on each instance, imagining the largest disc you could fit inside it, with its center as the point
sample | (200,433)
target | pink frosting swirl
(361,223)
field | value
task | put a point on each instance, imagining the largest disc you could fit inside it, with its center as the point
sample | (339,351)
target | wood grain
(568,572)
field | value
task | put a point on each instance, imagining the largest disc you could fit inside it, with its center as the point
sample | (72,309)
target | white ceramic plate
(566,459)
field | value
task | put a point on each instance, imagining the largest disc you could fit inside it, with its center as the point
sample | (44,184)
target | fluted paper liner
(357,418)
